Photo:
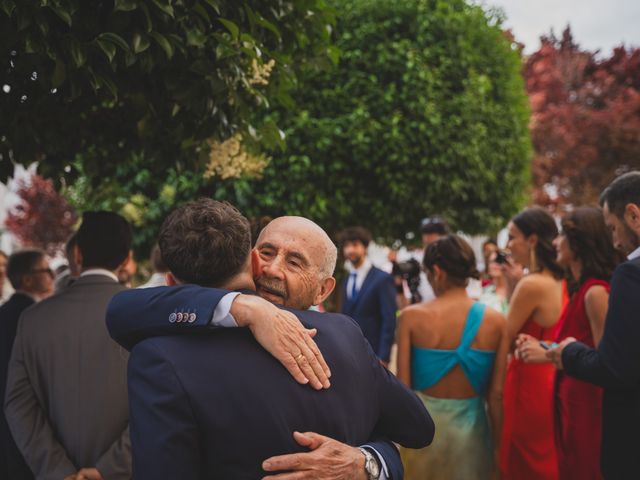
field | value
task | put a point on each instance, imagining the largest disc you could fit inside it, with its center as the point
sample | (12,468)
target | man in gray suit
(66,400)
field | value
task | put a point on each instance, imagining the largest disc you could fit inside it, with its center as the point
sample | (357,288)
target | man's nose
(274,269)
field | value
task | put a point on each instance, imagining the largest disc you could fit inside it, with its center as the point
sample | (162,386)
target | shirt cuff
(384,471)
(222,314)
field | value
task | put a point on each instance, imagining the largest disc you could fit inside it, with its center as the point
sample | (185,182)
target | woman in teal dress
(453,352)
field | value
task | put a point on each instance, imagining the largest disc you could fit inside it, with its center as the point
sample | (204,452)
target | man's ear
(326,287)
(632,216)
(126,261)
(255,262)
(171,280)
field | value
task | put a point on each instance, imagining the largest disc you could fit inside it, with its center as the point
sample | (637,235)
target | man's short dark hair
(22,263)
(205,242)
(434,224)
(622,191)
(355,234)
(104,240)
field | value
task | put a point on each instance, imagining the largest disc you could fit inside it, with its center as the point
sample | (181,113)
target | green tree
(113,81)
(426,113)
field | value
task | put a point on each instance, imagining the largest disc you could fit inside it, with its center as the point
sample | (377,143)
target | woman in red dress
(585,249)
(527,448)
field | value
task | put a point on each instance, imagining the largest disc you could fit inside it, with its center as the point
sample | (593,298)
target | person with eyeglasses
(32,279)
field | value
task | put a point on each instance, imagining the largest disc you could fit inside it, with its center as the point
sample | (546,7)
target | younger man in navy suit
(368,294)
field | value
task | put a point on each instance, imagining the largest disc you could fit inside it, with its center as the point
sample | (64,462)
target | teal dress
(462,446)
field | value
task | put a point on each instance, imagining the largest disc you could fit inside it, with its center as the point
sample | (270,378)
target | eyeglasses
(42,270)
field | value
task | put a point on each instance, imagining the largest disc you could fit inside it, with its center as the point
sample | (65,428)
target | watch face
(372,467)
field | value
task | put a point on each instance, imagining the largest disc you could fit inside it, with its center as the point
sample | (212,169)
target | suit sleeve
(116,461)
(164,433)
(28,423)
(388,310)
(616,361)
(136,314)
(391,456)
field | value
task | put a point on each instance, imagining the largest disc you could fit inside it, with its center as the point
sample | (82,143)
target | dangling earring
(533,265)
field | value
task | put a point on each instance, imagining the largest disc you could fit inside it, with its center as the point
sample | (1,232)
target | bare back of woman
(439,325)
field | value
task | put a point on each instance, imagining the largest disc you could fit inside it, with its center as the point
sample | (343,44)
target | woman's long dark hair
(590,241)
(538,221)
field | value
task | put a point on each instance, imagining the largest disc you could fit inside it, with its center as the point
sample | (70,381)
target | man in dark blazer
(32,279)
(66,399)
(368,294)
(243,406)
(615,363)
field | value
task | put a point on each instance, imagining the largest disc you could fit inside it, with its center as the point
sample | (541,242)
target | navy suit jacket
(218,404)
(615,366)
(12,464)
(374,308)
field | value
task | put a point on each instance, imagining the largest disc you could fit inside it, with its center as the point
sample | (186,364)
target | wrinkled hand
(283,336)
(555,354)
(328,460)
(528,350)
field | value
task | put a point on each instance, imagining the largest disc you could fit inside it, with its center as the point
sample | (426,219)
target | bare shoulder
(494,319)
(417,312)
(595,293)
(536,283)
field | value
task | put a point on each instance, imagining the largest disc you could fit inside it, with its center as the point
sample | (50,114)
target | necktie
(354,290)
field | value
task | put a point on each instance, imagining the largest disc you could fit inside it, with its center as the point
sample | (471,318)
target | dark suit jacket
(615,366)
(66,401)
(12,464)
(374,308)
(248,411)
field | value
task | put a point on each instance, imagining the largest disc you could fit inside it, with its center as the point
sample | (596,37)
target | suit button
(192,317)
(179,317)
(173,317)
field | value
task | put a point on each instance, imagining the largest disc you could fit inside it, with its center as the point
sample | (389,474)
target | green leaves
(164,43)
(63,14)
(125,5)
(425,113)
(232,27)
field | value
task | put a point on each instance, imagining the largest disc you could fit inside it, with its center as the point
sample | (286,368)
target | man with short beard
(615,364)
(292,265)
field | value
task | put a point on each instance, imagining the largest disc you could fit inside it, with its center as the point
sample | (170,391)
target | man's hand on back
(283,336)
(328,459)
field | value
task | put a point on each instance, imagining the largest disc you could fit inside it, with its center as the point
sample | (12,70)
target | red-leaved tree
(43,218)
(585,122)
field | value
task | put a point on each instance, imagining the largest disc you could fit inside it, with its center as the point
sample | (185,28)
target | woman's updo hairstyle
(454,256)
(536,220)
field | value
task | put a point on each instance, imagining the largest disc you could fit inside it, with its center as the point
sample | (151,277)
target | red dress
(578,405)
(527,446)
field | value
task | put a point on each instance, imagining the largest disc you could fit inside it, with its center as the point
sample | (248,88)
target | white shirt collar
(100,271)
(635,254)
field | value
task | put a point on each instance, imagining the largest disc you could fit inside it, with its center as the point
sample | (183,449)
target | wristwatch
(370,465)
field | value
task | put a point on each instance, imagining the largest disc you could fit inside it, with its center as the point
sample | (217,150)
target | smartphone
(502,257)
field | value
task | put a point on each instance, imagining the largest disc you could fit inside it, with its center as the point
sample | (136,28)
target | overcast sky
(596,24)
